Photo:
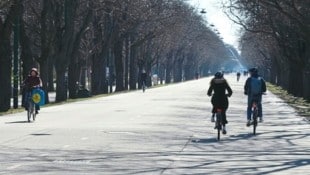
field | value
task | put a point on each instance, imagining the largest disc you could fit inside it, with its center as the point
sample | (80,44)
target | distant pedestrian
(238,76)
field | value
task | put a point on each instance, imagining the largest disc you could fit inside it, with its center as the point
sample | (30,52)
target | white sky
(215,15)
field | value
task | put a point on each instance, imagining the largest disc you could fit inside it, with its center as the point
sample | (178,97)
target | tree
(9,13)
(283,23)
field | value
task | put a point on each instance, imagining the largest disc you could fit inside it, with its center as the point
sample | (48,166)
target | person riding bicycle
(254,88)
(32,81)
(219,99)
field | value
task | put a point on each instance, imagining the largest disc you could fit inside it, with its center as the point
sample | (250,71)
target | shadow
(244,136)
(17,122)
(206,141)
(224,138)
(40,134)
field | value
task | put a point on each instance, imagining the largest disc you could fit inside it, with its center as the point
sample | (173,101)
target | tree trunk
(50,87)
(296,80)
(61,83)
(168,70)
(6,56)
(127,57)
(5,71)
(26,54)
(306,82)
(187,72)
(133,68)
(119,71)
(178,70)
(44,77)
(73,79)
(98,70)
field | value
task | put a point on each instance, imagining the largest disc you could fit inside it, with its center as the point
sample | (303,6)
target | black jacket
(219,98)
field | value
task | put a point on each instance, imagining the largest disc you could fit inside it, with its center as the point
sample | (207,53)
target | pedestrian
(143,77)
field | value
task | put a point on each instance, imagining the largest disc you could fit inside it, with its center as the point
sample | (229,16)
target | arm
(246,86)
(25,84)
(229,89)
(210,88)
(41,84)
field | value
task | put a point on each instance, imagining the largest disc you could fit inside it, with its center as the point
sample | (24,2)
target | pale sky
(216,16)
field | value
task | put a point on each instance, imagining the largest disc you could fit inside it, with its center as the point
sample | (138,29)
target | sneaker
(37,112)
(248,123)
(261,119)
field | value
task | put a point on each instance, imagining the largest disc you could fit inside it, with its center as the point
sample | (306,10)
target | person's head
(218,75)
(34,72)
(253,71)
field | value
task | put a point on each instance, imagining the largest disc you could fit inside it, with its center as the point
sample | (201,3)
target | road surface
(165,130)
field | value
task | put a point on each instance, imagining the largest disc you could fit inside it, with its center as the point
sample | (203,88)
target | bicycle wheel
(28,115)
(218,125)
(29,111)
(34,112)
(255,113)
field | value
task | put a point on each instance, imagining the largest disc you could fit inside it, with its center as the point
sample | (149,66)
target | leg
(37,109)
(260,109)
(224,122)
(249,109)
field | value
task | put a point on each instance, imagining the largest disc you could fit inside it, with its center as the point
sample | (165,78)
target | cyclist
(219,99)
(33,80)
(254,87)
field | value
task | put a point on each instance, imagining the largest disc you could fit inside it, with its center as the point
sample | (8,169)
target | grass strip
(299,104)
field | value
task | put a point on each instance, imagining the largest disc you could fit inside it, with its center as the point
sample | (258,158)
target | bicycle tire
(255,113)
(218,125)
(30,110)
(28,115)
(34,112)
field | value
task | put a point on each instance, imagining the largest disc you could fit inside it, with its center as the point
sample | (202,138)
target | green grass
(300,104)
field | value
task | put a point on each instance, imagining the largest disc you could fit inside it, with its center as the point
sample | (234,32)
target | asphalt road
(165,130)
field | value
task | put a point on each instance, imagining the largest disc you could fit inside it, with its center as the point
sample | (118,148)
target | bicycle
(219,122)
(31,108)
(254,114)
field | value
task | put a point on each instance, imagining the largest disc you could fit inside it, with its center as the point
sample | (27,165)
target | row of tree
(276,38)
(108,41)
